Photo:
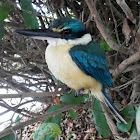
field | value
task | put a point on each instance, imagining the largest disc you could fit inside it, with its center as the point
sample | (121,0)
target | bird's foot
(78,92)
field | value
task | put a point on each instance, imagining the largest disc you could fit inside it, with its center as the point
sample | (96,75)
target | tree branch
(40,118)
(102,29)
(135,57)
(110,122)
(30,94)
(126,10)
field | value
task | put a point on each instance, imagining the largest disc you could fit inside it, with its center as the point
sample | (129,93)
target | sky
(5,119)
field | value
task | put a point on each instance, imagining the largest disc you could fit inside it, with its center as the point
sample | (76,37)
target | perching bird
(74,59)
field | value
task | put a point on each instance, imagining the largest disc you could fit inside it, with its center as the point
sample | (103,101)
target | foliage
(30,19)
(138,120)
(54,120)
(134,133)
(4,10)
(23,68)
(100,120)
(70,98)
(3,15)
(45,129)
(105,45)
(125,112)
(73,114)
(9,137)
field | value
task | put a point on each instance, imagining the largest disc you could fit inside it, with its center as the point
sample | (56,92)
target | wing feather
(91,59)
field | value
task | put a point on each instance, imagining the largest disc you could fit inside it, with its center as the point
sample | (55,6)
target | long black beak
(41,34)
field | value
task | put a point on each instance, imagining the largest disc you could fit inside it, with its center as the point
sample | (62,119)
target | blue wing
(91,59)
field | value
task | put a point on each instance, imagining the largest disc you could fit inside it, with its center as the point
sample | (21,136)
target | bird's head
(68,28)
(61,30)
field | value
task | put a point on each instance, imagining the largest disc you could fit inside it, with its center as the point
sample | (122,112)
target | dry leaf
(56,100)
(124,101)
(126,31)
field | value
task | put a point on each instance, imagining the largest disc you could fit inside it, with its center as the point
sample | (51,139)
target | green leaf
(138,120)
(4,11)
(9,137)
(18,120)
(54,119)
(125,127)
(134,133)
(30,19)
(48,137)
(70,98)
(73,114)
(127,110)
(126,113)
(45,129)
(105,46)
(100,120)
(59,82)
(1,30)
(53,108)
(113,38)
(132,113)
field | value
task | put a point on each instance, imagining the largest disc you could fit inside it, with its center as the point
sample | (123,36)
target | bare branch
(39,118)
(134,58)
(102,30)
(126,10)
(30,94)
(110,121)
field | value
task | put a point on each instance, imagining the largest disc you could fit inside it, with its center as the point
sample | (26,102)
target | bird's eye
(67,32)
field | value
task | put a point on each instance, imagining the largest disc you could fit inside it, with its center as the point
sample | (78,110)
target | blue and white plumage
(75,59)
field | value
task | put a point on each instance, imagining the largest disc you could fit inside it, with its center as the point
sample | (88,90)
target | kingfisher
(74,59)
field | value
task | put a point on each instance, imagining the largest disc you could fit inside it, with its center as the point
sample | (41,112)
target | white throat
(85,39)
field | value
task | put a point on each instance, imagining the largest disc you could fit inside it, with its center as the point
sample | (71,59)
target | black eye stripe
(67,31)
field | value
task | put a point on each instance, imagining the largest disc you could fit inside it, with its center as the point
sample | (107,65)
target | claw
(78,92)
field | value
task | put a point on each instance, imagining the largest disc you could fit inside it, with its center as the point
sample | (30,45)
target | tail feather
(114,111)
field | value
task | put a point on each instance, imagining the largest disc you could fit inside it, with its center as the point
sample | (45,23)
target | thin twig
(40,118)
(29,12)
(102,29)
(115,23)
(135,57)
